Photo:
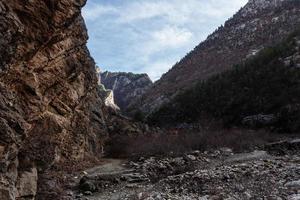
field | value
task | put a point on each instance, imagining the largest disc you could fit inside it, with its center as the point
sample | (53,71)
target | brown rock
(2,148)
(27,183)
(6,194)
(50,109)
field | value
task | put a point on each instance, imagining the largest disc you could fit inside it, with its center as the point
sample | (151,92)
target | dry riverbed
(272,173)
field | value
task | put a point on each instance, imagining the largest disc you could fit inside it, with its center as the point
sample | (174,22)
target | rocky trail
(272,173)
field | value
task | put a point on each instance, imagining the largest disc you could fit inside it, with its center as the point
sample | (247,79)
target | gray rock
(283,147)
(293,184)
(190,158)
(127,87)
(294,197)
(255,155)
(255,121)
(87,186)
(88,193)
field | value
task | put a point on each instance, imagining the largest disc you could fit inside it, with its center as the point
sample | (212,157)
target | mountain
(127,87)
(260,24)
(263,91)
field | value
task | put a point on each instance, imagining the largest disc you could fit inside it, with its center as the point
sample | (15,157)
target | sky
(150,36)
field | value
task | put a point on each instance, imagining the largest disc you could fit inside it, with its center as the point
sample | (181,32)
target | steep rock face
(108,98)
(259,24)
(51,113)
(127,87)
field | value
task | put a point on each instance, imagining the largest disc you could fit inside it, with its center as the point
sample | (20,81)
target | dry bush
(184,141)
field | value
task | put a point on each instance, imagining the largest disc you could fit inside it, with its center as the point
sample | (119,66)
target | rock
(247,195)
(206,197)
(6,194)
(190,158)
(78,196)
(226,151)
(2,148)
(248,156)
(27,183)
(132,186)
(283,147)
(287,62)
(87,186)
(195,153)
(135,178)
(293,184)
(294,197)
(108,97)
(127,87)
(88,193)
(260,120)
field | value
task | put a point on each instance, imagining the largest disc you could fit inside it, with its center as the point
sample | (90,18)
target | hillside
(261,91)
(260,24)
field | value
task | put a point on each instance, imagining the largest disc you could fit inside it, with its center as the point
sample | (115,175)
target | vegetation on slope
(260,85)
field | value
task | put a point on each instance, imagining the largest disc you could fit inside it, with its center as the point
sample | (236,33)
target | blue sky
(150,36)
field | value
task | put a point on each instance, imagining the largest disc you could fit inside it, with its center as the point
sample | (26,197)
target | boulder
(87,185)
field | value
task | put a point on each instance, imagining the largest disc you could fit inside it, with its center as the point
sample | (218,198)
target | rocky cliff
(51,115)
(259,24)
(127,87)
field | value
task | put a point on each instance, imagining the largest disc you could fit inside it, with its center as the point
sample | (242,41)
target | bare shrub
(183,141)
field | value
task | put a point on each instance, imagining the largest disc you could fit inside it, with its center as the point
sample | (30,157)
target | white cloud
(95,11)
(149,9)
(172,37)
(177,11)
(165,39)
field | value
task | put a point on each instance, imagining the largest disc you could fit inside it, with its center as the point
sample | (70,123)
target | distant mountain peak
(126,86)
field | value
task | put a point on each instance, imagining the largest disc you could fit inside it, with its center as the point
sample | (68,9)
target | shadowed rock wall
(50,109)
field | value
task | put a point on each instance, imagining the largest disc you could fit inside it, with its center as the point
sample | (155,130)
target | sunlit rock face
(261,23)
(51,113)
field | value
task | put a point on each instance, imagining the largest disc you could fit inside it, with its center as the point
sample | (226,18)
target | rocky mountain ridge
(259,24)
(261,92)
(127,87)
